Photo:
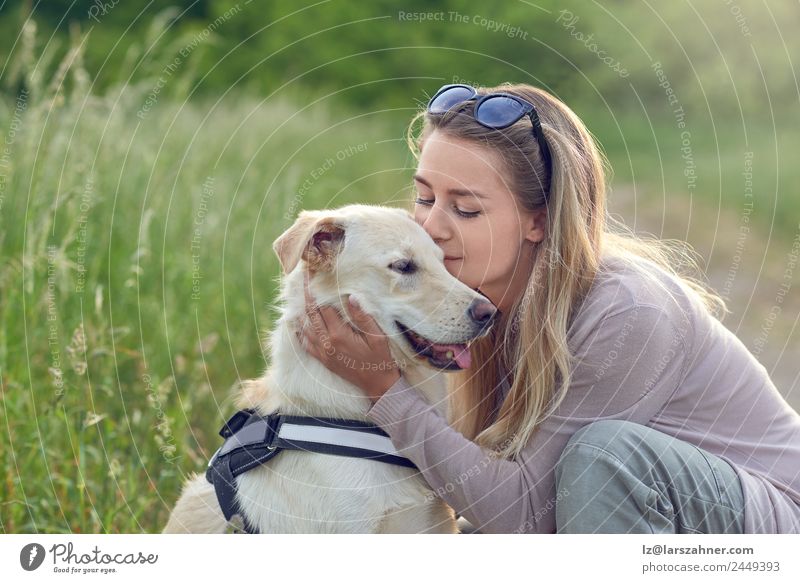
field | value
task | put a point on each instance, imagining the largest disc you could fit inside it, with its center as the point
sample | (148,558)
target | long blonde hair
(530,341)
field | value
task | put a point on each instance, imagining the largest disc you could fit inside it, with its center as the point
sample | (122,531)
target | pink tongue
(461,353)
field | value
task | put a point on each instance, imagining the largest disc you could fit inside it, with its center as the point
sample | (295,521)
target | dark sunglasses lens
(500,111)
(448,98)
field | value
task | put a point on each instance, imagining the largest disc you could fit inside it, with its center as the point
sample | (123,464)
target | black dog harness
(252,440)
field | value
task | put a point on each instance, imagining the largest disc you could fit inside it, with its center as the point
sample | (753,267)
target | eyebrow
(453,191)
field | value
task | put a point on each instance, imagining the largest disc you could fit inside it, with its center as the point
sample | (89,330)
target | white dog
(396,272)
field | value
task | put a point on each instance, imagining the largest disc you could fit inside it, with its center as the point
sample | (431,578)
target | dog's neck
(298,384)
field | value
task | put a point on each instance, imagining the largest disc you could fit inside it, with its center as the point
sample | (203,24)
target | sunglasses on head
(493,110)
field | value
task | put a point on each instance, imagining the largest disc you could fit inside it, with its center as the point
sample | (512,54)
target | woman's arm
(628,364)
(494,495)
(445,457)
(502,496)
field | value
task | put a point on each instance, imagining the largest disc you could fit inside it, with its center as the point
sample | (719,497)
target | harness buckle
(274,422)
(235,423)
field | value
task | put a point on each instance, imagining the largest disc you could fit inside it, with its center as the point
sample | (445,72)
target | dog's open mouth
(443,356)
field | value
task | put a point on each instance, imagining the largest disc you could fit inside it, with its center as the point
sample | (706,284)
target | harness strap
(252,439)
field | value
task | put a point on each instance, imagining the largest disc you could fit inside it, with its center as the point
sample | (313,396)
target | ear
(536,226)
(314,237)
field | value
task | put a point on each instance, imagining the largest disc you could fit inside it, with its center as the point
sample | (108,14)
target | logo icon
(31,556)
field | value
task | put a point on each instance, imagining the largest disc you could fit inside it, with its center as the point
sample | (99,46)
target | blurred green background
(151,153)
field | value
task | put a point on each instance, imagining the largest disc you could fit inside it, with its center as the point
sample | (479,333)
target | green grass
(116,365)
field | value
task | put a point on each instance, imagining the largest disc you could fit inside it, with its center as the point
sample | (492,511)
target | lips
(444,356)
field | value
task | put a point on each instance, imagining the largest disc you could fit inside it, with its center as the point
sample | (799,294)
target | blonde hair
(530,341)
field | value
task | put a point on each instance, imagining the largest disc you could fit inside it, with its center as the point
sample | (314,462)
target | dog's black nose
(482,311)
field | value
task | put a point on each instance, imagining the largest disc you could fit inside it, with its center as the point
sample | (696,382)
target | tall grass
(136,268)
(136,277)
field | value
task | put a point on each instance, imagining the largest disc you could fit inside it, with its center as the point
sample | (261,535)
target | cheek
(479,257)
(491,255)
(480,243)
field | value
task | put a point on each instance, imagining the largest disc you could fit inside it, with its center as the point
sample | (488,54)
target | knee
(596,469)
(600,443)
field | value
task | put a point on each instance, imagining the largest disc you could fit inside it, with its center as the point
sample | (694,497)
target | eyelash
(460,213)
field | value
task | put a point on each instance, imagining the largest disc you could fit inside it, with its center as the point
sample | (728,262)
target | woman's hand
(360,356)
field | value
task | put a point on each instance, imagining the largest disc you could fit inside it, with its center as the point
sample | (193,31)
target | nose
(435,224)
(482,311)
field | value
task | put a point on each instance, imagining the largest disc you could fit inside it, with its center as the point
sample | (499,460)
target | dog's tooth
(450,355)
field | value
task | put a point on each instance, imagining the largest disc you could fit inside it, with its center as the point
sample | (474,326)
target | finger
(317,317)
(334,323)
(364,322)
(309,344)
(307,336)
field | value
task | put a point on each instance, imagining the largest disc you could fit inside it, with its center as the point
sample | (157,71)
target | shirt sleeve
(520,495)
(448,461)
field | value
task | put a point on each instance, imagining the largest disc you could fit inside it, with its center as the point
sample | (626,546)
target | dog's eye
(404,266)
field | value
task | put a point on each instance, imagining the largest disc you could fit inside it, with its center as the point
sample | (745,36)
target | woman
(626,405)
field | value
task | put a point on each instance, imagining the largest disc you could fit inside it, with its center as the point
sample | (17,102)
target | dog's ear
(314,237)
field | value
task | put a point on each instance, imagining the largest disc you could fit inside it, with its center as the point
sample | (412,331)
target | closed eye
(459,212)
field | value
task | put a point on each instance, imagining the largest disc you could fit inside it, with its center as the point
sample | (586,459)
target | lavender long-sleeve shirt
(643,355)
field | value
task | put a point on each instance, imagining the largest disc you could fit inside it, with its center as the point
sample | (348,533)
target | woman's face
(464,202)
